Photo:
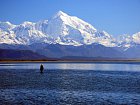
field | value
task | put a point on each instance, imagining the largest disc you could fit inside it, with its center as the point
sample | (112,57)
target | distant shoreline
(26,61)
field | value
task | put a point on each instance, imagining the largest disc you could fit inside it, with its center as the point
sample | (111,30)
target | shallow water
(70,84)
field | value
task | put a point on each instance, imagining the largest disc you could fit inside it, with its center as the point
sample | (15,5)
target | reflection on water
(75,66)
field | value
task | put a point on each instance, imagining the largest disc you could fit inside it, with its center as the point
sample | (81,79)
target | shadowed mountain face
(58,51)
(133,52)
(87,52)
(65,51)
(6,54)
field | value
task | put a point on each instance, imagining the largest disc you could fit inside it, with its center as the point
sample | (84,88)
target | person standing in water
(41,68)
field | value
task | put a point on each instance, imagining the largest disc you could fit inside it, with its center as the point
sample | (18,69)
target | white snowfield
(62,29)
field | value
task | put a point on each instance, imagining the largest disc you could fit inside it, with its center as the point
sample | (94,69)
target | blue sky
(114,16)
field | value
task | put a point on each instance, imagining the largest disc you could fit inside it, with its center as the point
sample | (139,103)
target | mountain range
(65,36)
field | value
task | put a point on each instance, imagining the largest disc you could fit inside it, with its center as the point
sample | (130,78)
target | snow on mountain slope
(9,38)
(125,41)
(128,41)
(27,34)
(105,39)
(70,29)
(136,37)
(6,26)
(41,26)
(62,29)
(6,35)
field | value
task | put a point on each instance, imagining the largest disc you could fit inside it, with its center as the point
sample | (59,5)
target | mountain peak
(6,25)
(27,23)
(60,13)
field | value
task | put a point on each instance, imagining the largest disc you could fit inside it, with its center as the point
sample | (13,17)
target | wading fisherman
(41,68)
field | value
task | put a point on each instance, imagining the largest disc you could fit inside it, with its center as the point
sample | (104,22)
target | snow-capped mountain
(48,37)
(136,38)
(125,41)
(6,26)
(128,41)
(61,28)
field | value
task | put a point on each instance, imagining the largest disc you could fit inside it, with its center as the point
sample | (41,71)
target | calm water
(75,66)
(70,84)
